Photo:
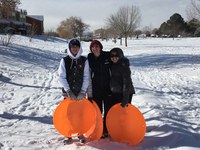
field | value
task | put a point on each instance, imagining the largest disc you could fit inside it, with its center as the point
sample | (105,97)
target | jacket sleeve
(126,77)
(62,77)
(86,77)
(89,89)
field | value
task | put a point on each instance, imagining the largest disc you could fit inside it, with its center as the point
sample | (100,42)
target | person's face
(96,50)
(114,57)
(74,50)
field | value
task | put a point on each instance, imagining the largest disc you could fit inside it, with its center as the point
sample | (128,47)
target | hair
(118,51)
(74,42)
(96,42)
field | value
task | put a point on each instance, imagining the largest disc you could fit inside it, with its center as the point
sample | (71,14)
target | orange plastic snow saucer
(73,117)
(98,128)
(126,125)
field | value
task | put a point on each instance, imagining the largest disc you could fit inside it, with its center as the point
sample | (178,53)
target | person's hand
(71,95)
(123,105)
(90,99)
(80,96)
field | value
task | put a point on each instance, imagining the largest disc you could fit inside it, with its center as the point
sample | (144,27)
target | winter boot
(104,135)
(81,139)
(67,141)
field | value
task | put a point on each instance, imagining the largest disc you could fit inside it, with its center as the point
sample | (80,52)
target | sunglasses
(114,55)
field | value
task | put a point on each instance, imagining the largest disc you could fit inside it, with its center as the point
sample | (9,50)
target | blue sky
(95,12)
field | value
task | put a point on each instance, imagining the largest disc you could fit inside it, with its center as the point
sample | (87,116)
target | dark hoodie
(121,82)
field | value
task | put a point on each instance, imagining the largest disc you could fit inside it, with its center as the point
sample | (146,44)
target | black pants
(103,103)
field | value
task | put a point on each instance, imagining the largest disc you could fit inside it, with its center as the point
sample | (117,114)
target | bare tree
(51,33)
(7,7)
(147,30)
(125,21)
(193,10)
(72,27)
(64,30)
(6,39)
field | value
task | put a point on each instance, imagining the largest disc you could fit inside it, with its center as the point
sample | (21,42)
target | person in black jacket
(121,84)
(99,63)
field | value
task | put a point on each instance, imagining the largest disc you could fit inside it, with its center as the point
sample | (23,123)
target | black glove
(123,105)
(90,99)
(124,100)
(71,95)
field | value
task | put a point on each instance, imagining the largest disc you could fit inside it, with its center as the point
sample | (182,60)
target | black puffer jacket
(121,82)
(100,73)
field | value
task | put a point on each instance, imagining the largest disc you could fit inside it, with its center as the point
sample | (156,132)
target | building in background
(37,25)
(21,23)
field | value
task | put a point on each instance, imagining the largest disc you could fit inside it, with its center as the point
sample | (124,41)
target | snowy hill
(165,73)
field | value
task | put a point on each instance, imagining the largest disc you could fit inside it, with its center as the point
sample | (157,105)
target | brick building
(37,26)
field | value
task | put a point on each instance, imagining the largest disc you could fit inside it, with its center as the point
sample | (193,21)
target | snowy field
(165,73)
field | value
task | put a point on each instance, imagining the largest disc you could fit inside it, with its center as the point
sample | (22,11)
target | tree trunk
(126,41)
(120,41)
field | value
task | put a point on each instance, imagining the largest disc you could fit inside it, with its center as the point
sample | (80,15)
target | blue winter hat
(74,42)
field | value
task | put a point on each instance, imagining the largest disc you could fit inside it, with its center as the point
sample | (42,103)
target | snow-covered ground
(165,73)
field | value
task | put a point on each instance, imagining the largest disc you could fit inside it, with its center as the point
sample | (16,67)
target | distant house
(21,23)
(36,23)
(100,34)
(14,24)
(3,24)
(87,36)
(1,16)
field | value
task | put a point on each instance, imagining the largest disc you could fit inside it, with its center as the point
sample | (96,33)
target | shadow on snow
(44,119)
(174,133)
(38,57)
(8,80)
(164,60)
